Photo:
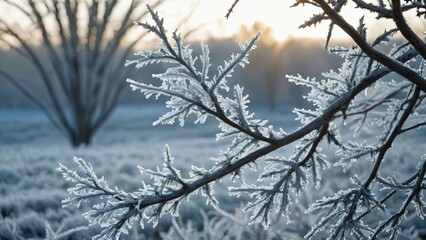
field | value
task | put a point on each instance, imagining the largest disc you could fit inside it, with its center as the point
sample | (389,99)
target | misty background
(263,79)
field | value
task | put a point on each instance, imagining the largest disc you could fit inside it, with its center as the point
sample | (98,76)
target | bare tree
(339,100)
(81,69)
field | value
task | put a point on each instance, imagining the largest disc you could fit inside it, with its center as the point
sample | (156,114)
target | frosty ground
(30,149)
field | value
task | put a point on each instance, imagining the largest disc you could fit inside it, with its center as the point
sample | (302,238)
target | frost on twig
(354,98)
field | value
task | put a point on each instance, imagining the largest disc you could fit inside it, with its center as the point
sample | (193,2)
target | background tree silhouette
(78,49)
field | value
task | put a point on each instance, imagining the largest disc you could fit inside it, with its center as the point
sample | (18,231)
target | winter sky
(276,14)
(284,21)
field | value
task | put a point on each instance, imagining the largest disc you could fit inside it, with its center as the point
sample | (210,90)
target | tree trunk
(81,138)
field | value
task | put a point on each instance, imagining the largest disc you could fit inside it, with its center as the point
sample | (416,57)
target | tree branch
(418,187)
(44,76)
(34,99)
(406,31)
(397,67)
(388,144)
(231,9)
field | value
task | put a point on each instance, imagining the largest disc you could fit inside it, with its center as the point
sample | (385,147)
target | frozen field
(30,148)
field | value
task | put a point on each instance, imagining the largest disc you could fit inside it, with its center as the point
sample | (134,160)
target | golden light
(208,18)
(276,14)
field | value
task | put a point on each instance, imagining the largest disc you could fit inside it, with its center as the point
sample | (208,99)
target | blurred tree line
(265,79)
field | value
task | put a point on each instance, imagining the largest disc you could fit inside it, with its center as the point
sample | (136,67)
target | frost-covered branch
(414,197)
(353,98)
(390,139)
(203,99)
(383,10)
(404,71)
(415,126)
(343,206)
(406,31)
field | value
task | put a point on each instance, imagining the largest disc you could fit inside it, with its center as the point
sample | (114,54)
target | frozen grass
(31,189)
(30,149)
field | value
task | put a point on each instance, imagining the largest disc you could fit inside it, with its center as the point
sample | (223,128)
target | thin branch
(231,9)
(382,11)
(375,104)
(388,144)
(214,112)
(34,99)
(406,31)
(396,66)
(421,124)
(415,191)
(387,197)
(318,139)
(53,56)
(36,60)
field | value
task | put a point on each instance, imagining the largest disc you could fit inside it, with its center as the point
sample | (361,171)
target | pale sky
(276,14)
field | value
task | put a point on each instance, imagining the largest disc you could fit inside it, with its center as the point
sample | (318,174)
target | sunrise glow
(278,15)
(283,20)
(208,18)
